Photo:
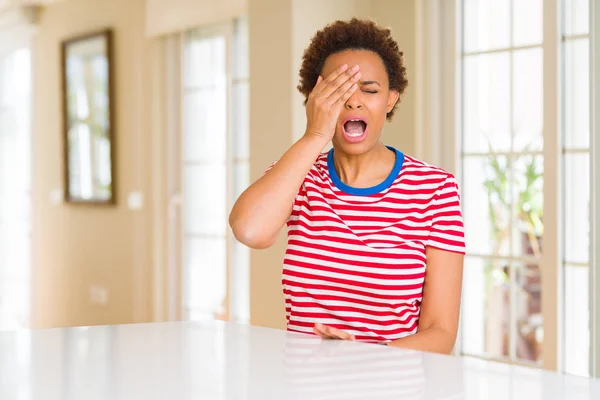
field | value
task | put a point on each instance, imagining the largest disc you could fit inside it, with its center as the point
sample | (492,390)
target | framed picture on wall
(88,118)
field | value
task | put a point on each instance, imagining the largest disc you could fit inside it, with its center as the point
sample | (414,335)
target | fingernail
(355,68)
(344,67)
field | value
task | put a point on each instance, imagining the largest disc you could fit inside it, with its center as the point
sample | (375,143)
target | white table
(229,361)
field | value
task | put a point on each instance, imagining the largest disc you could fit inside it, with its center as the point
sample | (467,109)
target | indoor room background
(113,210)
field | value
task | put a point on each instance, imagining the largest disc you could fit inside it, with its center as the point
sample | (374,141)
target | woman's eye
(371,91)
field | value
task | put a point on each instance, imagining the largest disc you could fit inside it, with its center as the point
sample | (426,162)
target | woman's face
(361,121)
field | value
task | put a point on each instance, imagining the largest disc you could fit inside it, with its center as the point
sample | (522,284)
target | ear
(393,97)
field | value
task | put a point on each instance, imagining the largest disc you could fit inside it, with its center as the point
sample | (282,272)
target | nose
(354,102)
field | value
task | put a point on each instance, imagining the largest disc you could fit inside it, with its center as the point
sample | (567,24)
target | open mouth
(355,129)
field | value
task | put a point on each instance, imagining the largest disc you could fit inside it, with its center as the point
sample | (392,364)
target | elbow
(448,351)
(445,339)
(250,237)
(448,342)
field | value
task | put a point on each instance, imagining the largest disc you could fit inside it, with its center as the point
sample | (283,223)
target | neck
(364,170)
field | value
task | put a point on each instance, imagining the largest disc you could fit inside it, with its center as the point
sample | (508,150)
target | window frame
(550,260)
(440,34)
(224,30)
(552,256)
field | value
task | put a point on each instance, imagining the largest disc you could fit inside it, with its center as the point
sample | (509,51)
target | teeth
(355,135)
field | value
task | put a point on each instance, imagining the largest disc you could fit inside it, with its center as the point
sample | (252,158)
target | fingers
(320,333)
(334,75)
(323,82)
(346,95)
(327,332)
(321,330)
(322,110)
(342,92)
(338,334)
(334,89)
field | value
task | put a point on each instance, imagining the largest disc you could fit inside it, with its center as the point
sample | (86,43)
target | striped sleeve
(270,167)
(447,229)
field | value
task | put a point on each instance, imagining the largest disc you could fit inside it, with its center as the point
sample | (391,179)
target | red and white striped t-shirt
(355,258)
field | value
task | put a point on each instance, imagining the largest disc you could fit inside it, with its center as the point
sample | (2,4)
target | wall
(10,4)
(270,136)
(79,246)
(400,17)
(277,111)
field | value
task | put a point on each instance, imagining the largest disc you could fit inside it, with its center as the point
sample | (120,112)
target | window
(15,189)
(506,131)
(503,179)
(215,169)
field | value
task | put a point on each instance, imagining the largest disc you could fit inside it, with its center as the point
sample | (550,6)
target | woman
(375,237)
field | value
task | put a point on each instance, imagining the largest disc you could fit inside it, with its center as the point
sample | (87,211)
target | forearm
(433,340)
(262,210)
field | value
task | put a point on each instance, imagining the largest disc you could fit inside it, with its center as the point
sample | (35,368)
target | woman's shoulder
(319,167)
(417,167)
(418,176)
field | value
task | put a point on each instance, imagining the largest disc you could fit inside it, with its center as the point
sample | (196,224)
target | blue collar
(370,190)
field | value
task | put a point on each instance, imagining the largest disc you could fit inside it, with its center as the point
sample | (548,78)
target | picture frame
(88,119)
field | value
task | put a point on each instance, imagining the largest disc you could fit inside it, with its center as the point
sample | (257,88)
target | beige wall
(271,97)
(400,17)
(78,246)
(277,112)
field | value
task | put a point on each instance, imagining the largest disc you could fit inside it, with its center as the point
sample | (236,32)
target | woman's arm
(262,210)
(438,322)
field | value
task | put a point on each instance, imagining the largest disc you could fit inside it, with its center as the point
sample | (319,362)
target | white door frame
(595,188)
(166,201)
